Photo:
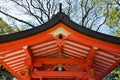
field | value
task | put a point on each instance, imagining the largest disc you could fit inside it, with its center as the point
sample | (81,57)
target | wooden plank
(54,74)
(79,62)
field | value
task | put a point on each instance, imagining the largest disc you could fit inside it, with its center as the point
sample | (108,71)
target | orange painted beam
(30,41)
(28,62)
(90,56)
(54,74)
(90,63)
(60,41)
(60,52)
(28,52)
(79,62)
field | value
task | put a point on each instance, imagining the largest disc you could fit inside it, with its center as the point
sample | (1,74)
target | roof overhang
(59,41)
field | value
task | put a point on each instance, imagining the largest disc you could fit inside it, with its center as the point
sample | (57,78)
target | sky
(12,10)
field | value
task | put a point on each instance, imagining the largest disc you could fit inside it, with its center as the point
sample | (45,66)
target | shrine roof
(59,17)
(59,41)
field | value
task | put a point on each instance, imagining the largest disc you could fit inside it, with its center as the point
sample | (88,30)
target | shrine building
(59,49)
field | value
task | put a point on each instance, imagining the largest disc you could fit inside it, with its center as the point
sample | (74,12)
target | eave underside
(74,52)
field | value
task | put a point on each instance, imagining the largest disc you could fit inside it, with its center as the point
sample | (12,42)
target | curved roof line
(59,17)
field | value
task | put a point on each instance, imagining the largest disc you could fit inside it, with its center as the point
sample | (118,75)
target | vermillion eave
(59,49)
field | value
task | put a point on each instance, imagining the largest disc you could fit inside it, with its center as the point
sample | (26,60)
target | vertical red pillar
(41,78)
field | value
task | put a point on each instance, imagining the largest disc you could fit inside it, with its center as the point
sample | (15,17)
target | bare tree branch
(54,8)
(27,8)
(101,23)
(69,7)
(86,8)
(104,19)
(86,15)
(17,19)
(42,10)
(117,2)
(48,5)
(82,11)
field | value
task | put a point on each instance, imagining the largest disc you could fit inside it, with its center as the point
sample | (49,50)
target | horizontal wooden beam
(56,74)
(79,62)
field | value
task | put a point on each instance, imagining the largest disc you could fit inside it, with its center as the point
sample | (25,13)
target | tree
(114,14)
(113,17)
(5,75)
(5,28)
(114,75)
(84,12)
(118,32)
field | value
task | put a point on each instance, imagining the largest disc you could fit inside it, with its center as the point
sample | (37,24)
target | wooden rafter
(110,69)
(11,71)
(28,62)
(90,63)
(90,41)
(90,56)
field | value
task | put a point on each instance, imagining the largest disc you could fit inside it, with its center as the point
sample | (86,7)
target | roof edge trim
(59,17)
